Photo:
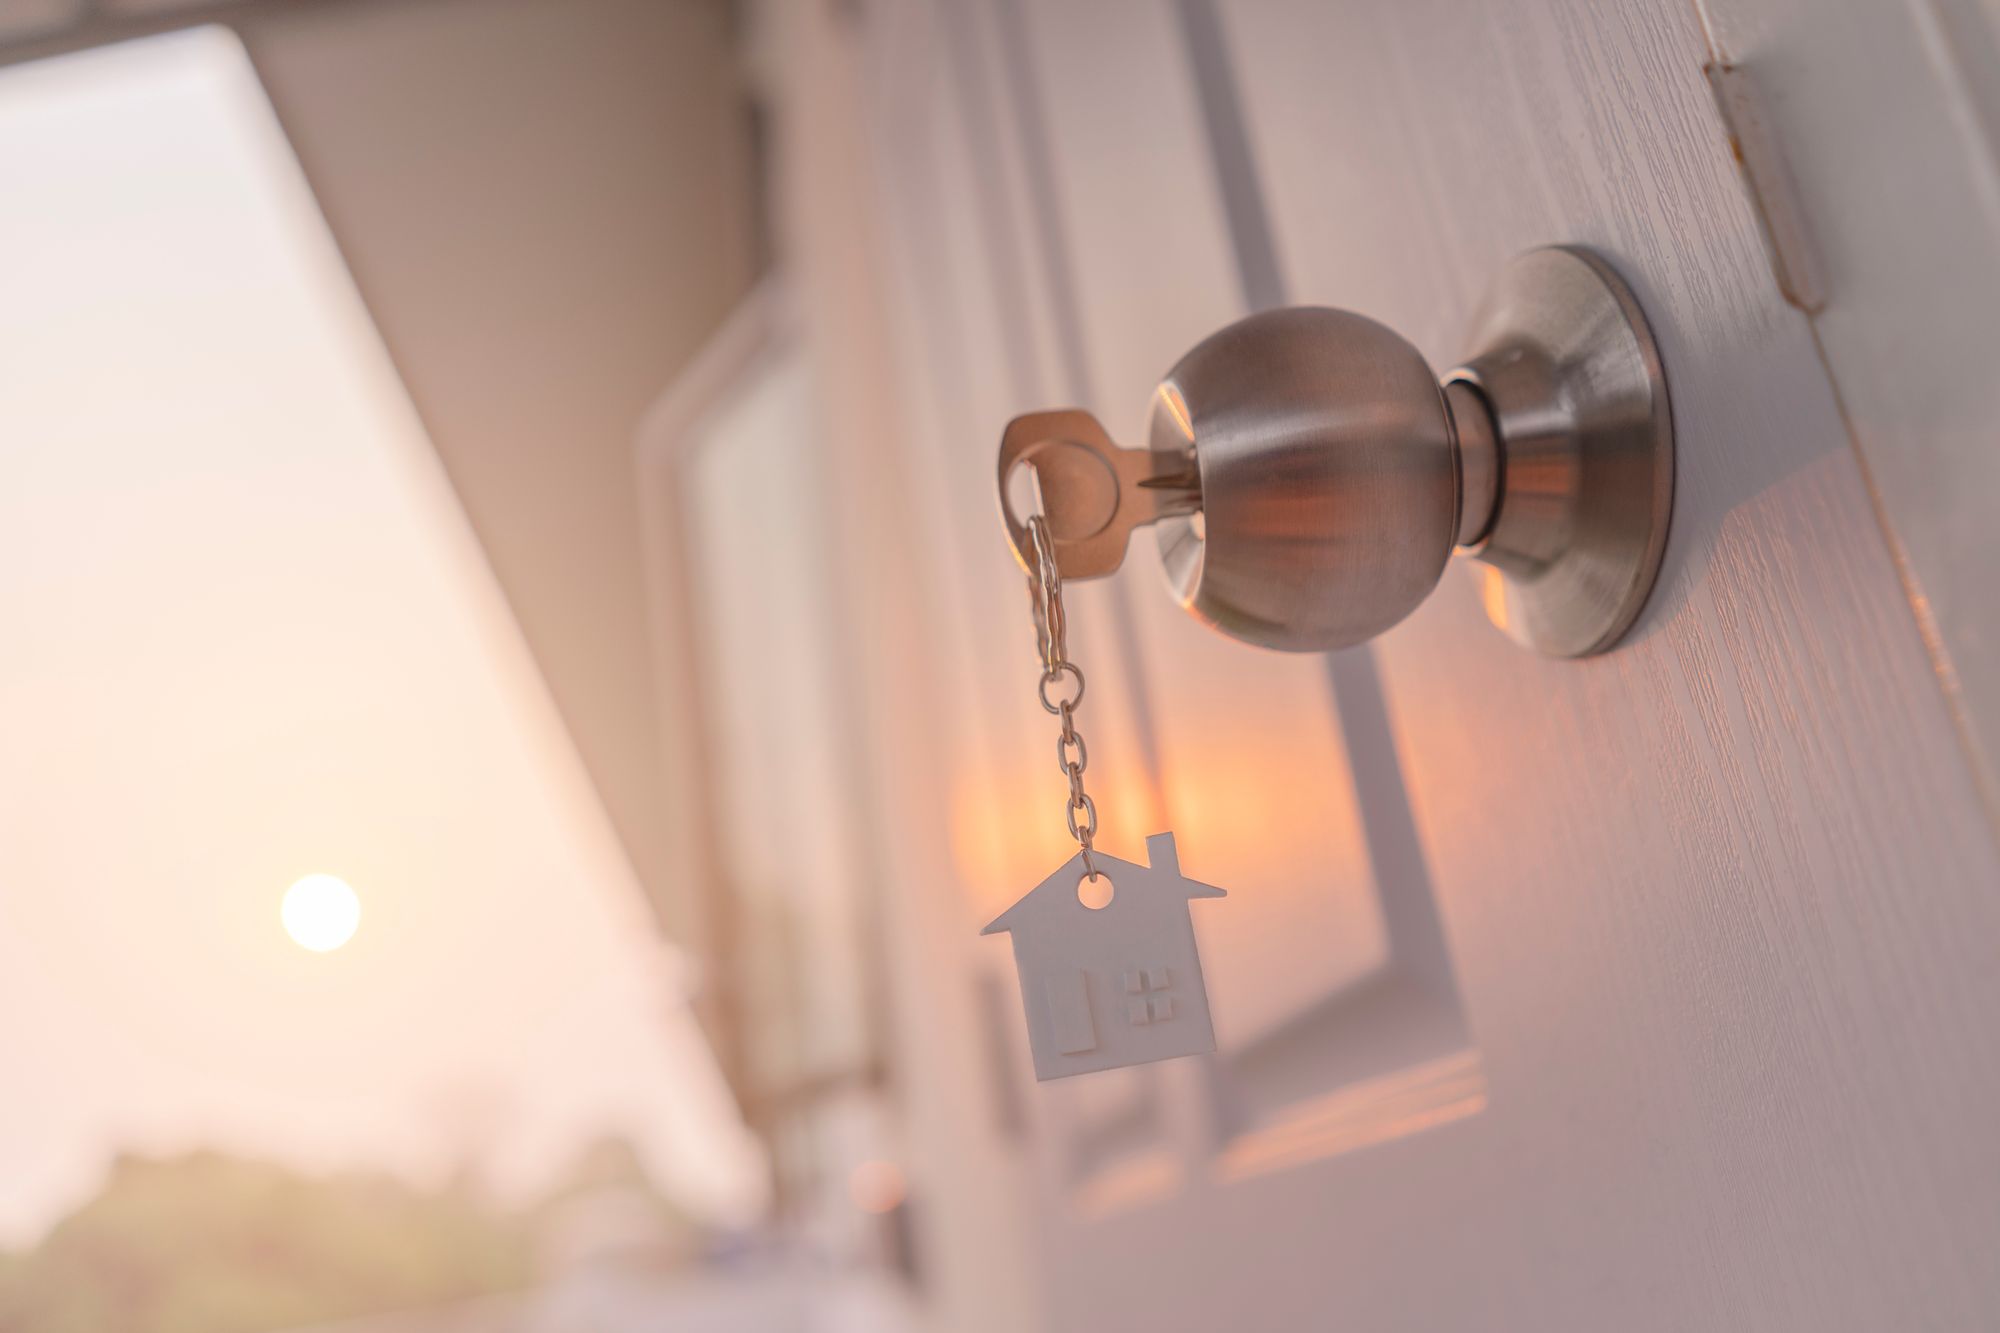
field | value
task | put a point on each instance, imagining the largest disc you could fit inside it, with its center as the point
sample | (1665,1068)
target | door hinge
(1774,194)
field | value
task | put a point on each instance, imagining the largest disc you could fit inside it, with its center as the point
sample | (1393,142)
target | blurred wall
(548,207)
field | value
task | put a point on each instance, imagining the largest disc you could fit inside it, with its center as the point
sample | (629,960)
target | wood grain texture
(1721,901)
(1888,117)
(1721,905)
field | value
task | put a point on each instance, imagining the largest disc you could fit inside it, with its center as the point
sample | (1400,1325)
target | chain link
(1051,643)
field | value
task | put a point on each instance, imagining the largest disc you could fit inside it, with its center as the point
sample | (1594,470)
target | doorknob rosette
(1563,358)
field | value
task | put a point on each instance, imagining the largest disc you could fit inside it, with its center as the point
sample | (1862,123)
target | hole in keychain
(1085,504)
(1097,894)
(1023,494)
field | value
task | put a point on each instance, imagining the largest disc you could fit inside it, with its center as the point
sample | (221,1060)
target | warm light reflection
(1129,1183)
(876,1186)
(321,912)
(1170,398)
(1008,835)
(1493,595)
(1377,1110)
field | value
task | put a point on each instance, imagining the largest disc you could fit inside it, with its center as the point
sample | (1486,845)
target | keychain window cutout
(1117,985)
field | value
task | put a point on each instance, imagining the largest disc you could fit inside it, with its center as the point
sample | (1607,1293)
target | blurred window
(785,756)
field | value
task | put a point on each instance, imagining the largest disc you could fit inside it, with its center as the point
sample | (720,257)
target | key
(1093,493)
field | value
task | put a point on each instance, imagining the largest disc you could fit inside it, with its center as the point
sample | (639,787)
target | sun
(321,912)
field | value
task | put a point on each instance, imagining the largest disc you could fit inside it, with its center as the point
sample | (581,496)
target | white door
(1649,991)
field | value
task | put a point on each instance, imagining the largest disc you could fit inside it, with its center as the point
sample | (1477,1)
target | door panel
(1893,104)
(1705,1049)
(1715,896)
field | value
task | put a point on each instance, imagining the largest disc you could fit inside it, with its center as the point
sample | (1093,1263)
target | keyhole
(1094,893)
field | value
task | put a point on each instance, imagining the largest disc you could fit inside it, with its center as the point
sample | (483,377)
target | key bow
(1092,492)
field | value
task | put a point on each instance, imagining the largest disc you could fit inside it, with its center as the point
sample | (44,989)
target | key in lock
(1092,492)
(1315,475)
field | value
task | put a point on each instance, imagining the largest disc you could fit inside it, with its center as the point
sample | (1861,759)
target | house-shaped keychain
(1115,985)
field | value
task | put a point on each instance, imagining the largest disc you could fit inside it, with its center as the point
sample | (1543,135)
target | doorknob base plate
(1563,358)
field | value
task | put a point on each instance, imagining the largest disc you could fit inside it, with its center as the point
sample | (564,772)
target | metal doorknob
(1309,476)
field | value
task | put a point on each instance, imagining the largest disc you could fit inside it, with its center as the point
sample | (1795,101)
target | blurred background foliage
(208,1243)
(213,1244)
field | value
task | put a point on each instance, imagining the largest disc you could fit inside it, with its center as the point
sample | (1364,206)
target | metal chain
(1051,641)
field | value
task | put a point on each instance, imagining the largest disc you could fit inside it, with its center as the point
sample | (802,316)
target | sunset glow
(321,912)
(349,694)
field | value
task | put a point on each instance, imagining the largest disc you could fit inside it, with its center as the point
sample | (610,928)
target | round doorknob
(1309,476)
(1329,488)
